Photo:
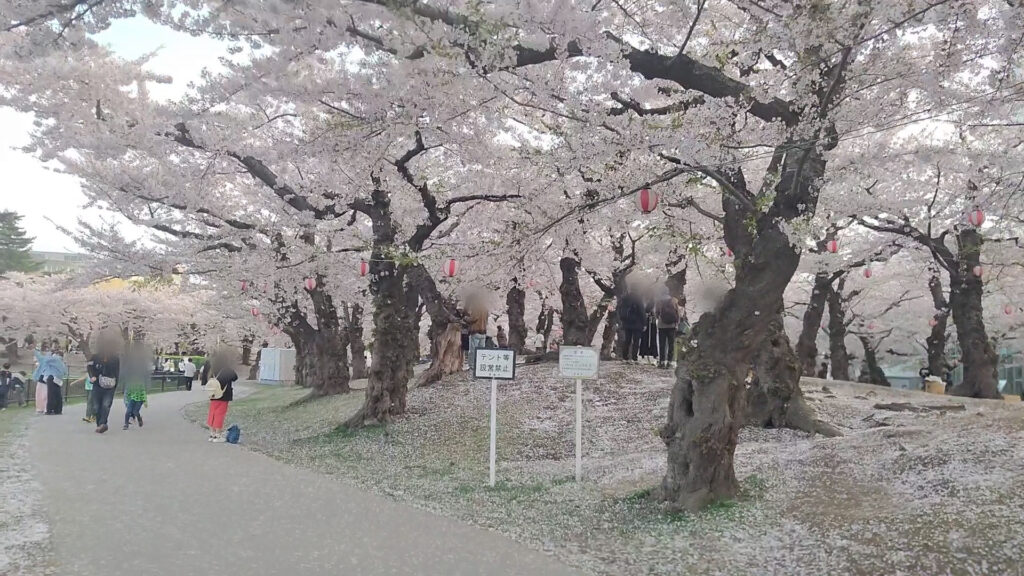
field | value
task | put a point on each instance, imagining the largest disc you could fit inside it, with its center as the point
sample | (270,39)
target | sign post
(578,363)
(496,364)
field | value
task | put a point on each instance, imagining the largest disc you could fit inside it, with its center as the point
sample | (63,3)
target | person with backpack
(667,312)
(18,386)
(104,369)
(220,389)
(632,316)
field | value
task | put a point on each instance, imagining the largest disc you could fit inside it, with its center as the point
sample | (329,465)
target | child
(41,398)
(135,397)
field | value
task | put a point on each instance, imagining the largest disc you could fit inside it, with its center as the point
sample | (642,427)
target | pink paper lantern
(933,322)
(255,312)
(728,252)
(364,267)
(1008,310)
(647,200)
(245,285)
(833,246)
(978,271)
(310,284)
(976,217)
(871,325)
(451,267)
(867,272)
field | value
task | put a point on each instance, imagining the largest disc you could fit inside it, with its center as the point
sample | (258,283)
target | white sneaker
(218,439)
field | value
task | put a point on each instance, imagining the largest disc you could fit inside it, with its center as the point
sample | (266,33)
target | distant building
(59,262)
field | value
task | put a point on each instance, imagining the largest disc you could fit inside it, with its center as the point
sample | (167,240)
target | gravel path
(147,501)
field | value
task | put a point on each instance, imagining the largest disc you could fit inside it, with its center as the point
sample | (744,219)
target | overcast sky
(36,190)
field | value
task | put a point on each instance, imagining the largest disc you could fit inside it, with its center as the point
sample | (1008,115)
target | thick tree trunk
(356,343)
(395,330)
(321,362)
(515,302)
(446,354)
(936,340)
(871,372)
(575,321)
(807,343)
(707,407)
(774,398)
(978,357)
(609,335)
(837,336)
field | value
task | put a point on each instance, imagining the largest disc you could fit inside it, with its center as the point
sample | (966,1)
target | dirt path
(161,500)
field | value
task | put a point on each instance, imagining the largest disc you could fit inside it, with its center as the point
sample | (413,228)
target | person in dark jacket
(104,369)
(667,312)
(5,385)
(632,316)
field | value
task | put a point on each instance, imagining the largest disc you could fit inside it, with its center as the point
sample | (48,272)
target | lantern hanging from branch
(310,284)
(933,322)
(255,312)
(976,217)
(868,272)
(871,325)
(728,252)
(647,200)
(1008,310)
(833,246)
(451,267)
(978,271)
(245,285)
(364,267)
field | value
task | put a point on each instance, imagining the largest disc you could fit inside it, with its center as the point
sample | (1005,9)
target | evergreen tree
(14,245)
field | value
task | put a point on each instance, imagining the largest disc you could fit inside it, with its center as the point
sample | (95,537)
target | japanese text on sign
(577,362)
(495,363)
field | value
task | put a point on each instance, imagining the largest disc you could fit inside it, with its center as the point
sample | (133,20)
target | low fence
(72,388)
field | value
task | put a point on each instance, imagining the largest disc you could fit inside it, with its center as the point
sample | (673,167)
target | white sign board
(577,362)
(495,363)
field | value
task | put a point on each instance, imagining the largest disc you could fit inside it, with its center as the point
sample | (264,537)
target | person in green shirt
(135,374)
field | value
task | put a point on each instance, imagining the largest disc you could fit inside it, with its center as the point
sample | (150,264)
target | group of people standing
(649,327)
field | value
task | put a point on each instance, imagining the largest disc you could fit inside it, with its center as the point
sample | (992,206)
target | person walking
(104,369)
(189,371)
(649,336)
(632,318)
(221,391)
(667,312)
(136,395)
(502,337)
(5,385)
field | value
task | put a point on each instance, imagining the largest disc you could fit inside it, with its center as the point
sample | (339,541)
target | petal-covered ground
(902,492)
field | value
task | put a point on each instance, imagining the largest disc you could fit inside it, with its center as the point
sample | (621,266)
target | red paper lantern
(978,271)
(933,322)
(871,325)
(976,217)
(647,200)
(832,246)
(450,268)
(867,272)
(364,267)
(255,312)
(728,252)
(1008,310)
(310,284)
(244,285)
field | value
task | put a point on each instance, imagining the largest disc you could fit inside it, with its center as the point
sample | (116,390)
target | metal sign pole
(579,429)
(494,425)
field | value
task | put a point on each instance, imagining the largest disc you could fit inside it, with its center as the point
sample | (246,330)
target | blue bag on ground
(234,433)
